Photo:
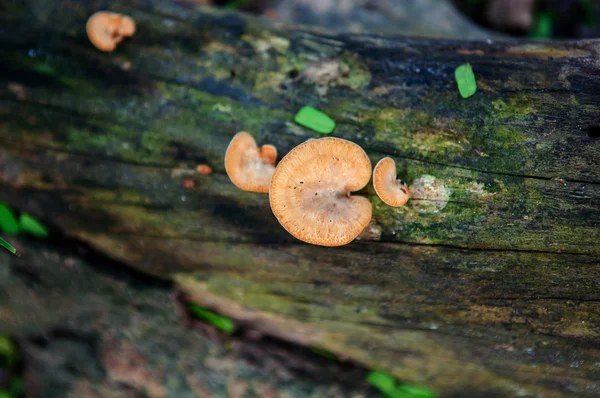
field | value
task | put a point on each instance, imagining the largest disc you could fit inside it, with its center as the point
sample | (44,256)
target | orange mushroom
(106,29)
(392,191)
(310,191)
(249,167)
(204,169)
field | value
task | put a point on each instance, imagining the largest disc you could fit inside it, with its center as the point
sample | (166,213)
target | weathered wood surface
(493,292)
(89,329)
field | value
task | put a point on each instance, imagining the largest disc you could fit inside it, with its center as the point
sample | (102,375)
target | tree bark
(485,284)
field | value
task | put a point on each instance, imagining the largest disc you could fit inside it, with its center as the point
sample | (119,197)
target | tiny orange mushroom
(390,190)
(204,169)
(249,167)
(106,29)
(310,191)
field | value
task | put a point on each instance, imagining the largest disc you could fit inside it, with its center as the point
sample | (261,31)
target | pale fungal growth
(429,194)
(310,191)
(107,29)
(249,167)
(392,191)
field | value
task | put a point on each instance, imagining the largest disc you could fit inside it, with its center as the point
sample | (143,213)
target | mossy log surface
(484,284)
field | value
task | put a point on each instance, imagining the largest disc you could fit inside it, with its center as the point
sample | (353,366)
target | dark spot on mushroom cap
(403,190)
(402,182)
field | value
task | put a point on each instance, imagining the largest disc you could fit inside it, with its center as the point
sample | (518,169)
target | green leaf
(542,25)
(315,120)
(465,79)
(32,226)
(7,246)
(218,321)
(382,381)
(8,223)
(411,391)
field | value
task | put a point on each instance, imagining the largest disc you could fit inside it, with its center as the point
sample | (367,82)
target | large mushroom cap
(392,191)
(249,167)
(106,29)
(310,191)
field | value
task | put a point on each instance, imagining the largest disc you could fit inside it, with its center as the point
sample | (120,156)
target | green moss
(357,76)
(517,107)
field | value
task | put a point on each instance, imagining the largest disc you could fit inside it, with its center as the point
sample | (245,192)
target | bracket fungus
(392,191)
(249,167)
(106,29)
(310,191)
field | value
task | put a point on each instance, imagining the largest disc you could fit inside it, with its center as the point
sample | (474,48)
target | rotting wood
(488,288)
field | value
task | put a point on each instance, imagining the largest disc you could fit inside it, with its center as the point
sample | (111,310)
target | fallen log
(484,284)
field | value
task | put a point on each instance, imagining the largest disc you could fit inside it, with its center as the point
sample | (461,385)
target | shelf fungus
(107,29)
(249,167)
(310,191)
(390,190)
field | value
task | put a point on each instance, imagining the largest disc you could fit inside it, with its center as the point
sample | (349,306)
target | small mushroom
(249,167)
(392,191)
(204,169)
(310,191)
(106,29)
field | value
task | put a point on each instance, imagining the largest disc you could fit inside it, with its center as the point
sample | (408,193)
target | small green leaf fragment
(323,352)
(8,223)
(412,391)
(8,246)
(315,120)
(382,381)
(32,226)
(542,26)
(465,79)
(220,322)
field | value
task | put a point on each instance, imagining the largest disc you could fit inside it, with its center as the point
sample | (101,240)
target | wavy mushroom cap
(249,167)
(106,29)
(310,191)
(392,191)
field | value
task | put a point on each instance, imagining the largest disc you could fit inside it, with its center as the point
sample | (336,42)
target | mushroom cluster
(310,189)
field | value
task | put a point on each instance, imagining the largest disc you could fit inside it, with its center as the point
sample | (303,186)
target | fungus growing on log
(249,167)
(310,191)
(392,191)
(107,29)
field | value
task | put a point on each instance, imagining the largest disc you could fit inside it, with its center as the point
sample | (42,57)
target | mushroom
(392,191)
(249,167)
(310,191)
(106,29)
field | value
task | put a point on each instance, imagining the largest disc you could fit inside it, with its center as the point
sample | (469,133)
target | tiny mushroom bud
(204,169)
(106,29)
(310,191)
(392,191)
(250,168)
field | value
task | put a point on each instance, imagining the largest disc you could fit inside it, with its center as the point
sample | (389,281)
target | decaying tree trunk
(485,284)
